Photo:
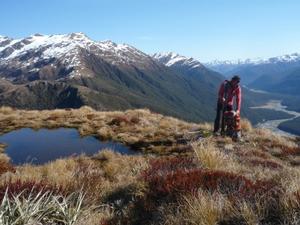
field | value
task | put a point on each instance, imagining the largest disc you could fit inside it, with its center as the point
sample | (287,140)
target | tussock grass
(252,214)
(3,157)
(57,172)
(290,179)
(209,157)
(246,125)
(212,158)
(100,216)
(255,181)
(274,140)
(44,208)
(6,110)
(144,130)
(98,176)
(294,160)
(205,208)
(290,206)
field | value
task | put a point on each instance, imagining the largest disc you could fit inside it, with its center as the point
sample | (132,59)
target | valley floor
(184,176)
(283,126)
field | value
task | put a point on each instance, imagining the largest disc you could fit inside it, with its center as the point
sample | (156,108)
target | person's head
(235,80)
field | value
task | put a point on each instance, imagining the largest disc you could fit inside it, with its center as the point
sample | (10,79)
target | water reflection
(40,146)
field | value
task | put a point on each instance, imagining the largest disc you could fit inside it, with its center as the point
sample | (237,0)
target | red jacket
(227,91)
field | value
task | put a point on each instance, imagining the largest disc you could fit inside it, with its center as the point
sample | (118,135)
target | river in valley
(273,124)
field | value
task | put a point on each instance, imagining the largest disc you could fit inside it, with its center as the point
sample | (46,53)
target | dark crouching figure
(226,115)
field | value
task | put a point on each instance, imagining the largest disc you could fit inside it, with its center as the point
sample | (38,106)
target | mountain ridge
(66,49)
(108,76)
(264,74)
(281,58)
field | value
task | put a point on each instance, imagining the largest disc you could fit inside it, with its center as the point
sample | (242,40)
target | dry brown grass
(246,125)
(96,217)
(142,129)
(251,214)
(98,175)
(210,157)
(294,160)
(290,206)
(3,156)
(205,208)
(6,110)
(274,140)
(109,177)
(58,172)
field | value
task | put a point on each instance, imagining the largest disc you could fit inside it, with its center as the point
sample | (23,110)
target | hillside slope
(263,74)
(106,76)
(68,71)
(289,84)
(190,177)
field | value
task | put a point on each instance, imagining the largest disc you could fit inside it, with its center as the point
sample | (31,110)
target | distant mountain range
(57,71)
(277,74)
(71,70)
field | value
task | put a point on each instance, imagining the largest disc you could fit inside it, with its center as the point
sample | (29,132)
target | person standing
(227,92)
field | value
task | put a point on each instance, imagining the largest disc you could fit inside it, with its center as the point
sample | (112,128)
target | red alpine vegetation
(290,151)
(118,120)
(265,163)
(170,178)
(28,187)
(169,164)
(255,153)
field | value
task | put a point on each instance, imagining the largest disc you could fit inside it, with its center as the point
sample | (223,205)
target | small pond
(39,146)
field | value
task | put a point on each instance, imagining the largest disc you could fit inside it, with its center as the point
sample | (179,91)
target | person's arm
(238,99)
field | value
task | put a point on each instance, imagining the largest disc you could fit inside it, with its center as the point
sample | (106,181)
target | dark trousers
(220,117)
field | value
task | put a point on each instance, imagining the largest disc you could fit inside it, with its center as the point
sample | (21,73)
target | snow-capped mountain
(288,58)
(39,51)
(59,46)
(191,68)
(228,67)
(172,59)
(70,70)
(258,73)
(3,41)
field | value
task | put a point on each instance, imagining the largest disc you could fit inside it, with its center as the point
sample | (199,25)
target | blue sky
(203,29)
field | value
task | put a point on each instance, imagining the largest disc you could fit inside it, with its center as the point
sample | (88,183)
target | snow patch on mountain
(65,48)
(3,38)
(4,42)
(294,57)
(58,45)
(170,59)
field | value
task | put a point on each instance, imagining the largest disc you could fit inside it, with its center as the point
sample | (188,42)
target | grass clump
(246,125)
(205,208)
(210,157)
(41,207)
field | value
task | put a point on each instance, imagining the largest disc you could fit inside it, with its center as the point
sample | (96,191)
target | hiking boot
(237,136)
(223,133)
(216,133)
